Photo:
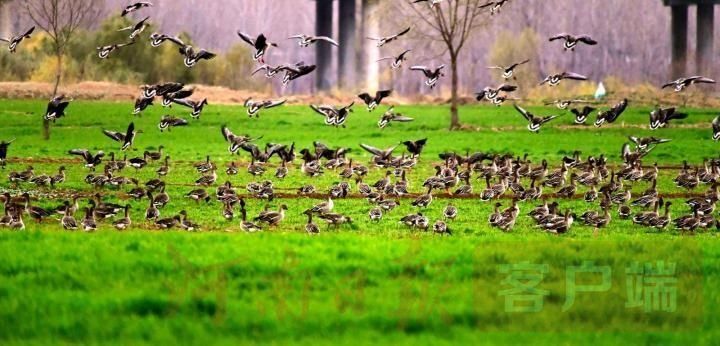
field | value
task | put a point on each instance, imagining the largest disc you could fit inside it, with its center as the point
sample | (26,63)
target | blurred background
(635,44)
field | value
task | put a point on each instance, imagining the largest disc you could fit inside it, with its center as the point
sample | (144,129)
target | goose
(688,223)
(564,103)
(559,225)
(681,83)
(125,222)
(198,194)
(59,177)
(88,223)
(187,224)
(662,221)
(154,155)
(642,143)
(509,71)
(582,115)
(431,3)
(141,104)
(207,180)
(381,41)
(21,177)
(270,71)
(397,61)
(162,198)
(450,212)
(375,214)
(646,218)
(555,79)
(494,6)
(440,227)
(271,217)
(254,107)
(68,221)
(612,114)
(379,155)
(236,141)
(390,115)
(568,191)
(687,180)
(164,168)
(245,225)
(16,222)
(661,117)
(261,45)
(150,91)
(35,212)
(196,106)
(167,122)
(135,7)
(138,162)
(167,223)
(306,40)
(496,217)
(3,151)
(170,97)
(535,123)
(423,201)
(91,161)
(415,147)
(571,41)
(490,93)
(432,74)
(334,116)
(104,51)
(335,219)
(715,127)
(56,107)
(14,41)
(152,212)
(192,57)
(323,207)
(374,102)
(157,39)
(127,139)
(137,28)
(293,72)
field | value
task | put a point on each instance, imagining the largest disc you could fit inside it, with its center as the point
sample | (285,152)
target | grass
(364,283)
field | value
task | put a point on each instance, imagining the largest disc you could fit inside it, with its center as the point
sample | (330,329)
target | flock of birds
(504,175)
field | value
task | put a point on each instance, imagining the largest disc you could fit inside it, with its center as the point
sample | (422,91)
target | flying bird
(534,122)
(571,41)
(397,61)
(91,161)
(261,45)
(56,108)
(682,83)
(564,104)
(662,116)
(192,57)
(334,116)
(150,91)
(142,103)
(390,115)
(373,102)
(432,75)
(415,147)
(307,40)
(582,115)
(127,138)
(381,41)
(612,114)
(254,107)
(555,79)
(3,151)
(270,71)
(495,6)
(137,28)
(14,41)
(509,71)
(490,93)
(168,121)
(236,142)
(643,143)
(196,106)
(431,3)
(157,39)
(134,7)
(296,71)
(104,51)
(170,97)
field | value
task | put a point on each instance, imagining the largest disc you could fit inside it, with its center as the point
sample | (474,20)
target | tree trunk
(454,118)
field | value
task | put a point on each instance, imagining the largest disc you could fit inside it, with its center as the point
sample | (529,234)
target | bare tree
(60,19)
(450,23)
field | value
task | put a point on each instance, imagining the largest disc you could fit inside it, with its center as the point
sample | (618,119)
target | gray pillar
(371,28)
(705,37)
(323,52)
(679,23)
(346,58)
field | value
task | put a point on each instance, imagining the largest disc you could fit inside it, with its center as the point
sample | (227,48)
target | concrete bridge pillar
(679,24)
(323,52)
(347,64)
(705,37)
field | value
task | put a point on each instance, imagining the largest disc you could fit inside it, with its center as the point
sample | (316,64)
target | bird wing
(328,40)
(701,79)
(182,94)
(175,40)
(573,75)
(372,150)
(548,118)
(203,54)
(184,102)
(116,136)
(383,94)
(425,69)
(524,113)
(670,84)
(130,133)
(81,152)
(366,98)
(402,119)
(246,38)
(385,58)
(322,110)
(401,33)
(587,40)
(227,134)
(561,36)
(479,96)
(677,115)
(272,104)
(30,31)
(716,123)
(507,88)
(5,39)
(299,37)
(487,5)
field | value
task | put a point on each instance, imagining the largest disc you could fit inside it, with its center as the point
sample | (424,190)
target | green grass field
(362,283)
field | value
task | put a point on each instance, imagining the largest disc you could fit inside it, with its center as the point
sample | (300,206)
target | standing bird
(612,114)
(56,108)
(661,117)
(3,152)
(681,83)
(509,71)
(554,79)
(582,115)
(432,75)
(495,6)
(127,138)
(254,107)
(571,41)
(261,45)
(104,51)
(535,122)
(373,102)
(134,7)
(137,28)
(307,40)
(14,41)
(397,61)
(381,41)
(715,126)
